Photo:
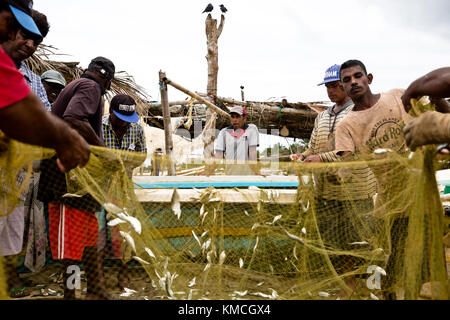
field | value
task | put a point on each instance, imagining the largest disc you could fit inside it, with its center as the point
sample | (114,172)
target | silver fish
(196,238)
(363,243)
(70,195)
(129,239)
(150,253)
(141,260)
(222,258)
(294,237)
(295,253)
(374,297)
(135,223)
(175,203)
(277,218)
(256,245)
(240,293)
(115,222)
(192,283)
(112,208)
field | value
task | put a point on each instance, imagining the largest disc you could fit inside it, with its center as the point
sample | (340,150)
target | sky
(275,49)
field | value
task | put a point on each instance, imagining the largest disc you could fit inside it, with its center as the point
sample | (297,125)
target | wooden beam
(200,99)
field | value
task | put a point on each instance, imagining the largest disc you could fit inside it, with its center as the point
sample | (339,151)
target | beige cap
(239,110)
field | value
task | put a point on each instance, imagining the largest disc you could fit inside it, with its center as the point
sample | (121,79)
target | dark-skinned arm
(435,84)
(27,121)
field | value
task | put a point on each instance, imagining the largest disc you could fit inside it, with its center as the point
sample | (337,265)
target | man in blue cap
(21,11)
(121,131)
(322,143)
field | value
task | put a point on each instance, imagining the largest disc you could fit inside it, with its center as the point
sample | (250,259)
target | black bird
(209,8)
(222,7)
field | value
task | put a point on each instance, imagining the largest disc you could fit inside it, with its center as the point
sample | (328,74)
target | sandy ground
(47,284)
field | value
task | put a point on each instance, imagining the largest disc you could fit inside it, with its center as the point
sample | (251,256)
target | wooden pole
(213,34)
(167,123)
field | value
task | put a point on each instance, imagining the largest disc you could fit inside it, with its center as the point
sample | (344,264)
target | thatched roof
(123,83)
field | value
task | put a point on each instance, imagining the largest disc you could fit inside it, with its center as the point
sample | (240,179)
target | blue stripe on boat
(201,185)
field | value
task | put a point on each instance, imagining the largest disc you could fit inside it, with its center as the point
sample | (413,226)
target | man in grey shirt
(238,143)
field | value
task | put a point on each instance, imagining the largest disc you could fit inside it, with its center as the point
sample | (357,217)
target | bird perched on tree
(209,8)
(222,7)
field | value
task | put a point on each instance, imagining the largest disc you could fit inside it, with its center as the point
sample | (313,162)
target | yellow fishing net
(276,237)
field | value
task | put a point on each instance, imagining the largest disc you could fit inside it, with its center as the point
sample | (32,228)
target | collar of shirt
(27,73)
(86,76)
(347,105)
(106,120)
(246,126)
(35,83)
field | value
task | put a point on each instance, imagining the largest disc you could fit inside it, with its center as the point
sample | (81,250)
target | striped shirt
(133,139)
(35,83)
(361,183)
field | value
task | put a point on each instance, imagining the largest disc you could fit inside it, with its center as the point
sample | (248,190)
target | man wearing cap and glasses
(122,131)
(335,201)
(53,83)
(81,105)
(238,143)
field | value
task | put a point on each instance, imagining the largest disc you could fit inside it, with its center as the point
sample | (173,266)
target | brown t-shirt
(378,127)
(82,100)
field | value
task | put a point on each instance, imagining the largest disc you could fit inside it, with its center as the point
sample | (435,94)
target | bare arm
(435,84)
(28,122)
(442,105)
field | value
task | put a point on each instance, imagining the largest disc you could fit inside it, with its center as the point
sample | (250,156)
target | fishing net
(313,231)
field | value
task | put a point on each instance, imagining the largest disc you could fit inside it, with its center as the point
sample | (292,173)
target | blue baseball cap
(21,9)
(332,74)
(124,107)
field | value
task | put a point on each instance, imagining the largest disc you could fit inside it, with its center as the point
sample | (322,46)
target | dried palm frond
(123,83)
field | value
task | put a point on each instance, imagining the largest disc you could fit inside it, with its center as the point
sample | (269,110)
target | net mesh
(241,238)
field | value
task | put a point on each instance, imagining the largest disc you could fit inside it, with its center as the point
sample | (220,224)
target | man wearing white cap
(238,143)
(53,83)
